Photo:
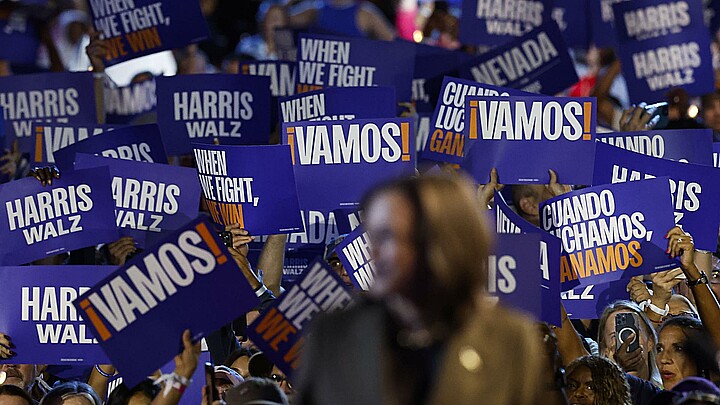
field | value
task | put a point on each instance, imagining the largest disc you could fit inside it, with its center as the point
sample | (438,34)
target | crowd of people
(426,331)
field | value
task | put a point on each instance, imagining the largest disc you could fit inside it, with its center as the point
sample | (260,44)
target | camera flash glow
(417,36)
(693,111)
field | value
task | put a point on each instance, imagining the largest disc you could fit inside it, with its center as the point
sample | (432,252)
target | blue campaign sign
(346,219)
(508,221)
(253,186)
(133,28)
(139,312)
(446,142)
(281,74)
(354,253)
(150,198)
(49,138)
(336,104)
(280,331)
(589,302)
(537,62)
(601,23)
(695,189)
(20,39)
(659,54)
(336,162)
(716,154)
(611,232)
(234,109)
(339,103)
(519,274)
(682,145)
(124,104)
(141,143)
(557,132)
(40,221)
(328,61)
(573,19)
(432,64)
(37,313)
(51,97)
(493,22)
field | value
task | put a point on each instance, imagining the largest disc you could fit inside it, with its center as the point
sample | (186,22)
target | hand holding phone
(210,383)
(625,327)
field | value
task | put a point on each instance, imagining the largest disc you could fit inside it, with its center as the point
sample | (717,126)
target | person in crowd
(225,379)
(425,328)
(271,15)
(331,257)
(348,18)
(595,380)
(70,37)
(12,395)
(256,391)
(71,393)
(141,394)
(239,361)
(690,391)
(24,376)
(675,359)
(710,113)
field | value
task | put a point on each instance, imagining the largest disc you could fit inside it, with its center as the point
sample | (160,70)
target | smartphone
(625,325)
(227,238)
(658,115)
(210,383)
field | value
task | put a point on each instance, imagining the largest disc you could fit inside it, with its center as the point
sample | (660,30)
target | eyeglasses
(278,378)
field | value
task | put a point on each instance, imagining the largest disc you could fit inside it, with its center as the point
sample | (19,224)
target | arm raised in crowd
(185,365)
(271,262)
(681,244)
(96,51)
(569,342)
(98,379)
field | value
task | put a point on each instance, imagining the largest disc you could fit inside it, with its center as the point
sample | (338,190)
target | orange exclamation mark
(587,116)
(291,142)
(473,119)
(205,235)
(405,133)
(38,143)
(95,319)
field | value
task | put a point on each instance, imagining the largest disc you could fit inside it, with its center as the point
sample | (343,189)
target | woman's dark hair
(698,344)
(59,393)
(121,394)
(13,391)
(237,354)
(611,387)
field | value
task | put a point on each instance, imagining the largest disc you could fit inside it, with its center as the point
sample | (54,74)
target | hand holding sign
(45,175)
(5,347)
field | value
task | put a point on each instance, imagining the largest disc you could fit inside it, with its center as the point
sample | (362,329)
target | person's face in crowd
(530,206)
(274,18)
(339,269)
(222,384)
(139,398)
(673,363)
(711,114)
(19,375)
(611,340)
(12,400)
(680,305)
(390,228)
(580,387)
(75,31)
(280,378)
(241,366)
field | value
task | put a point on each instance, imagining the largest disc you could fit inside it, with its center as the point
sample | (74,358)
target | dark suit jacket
(494,359)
